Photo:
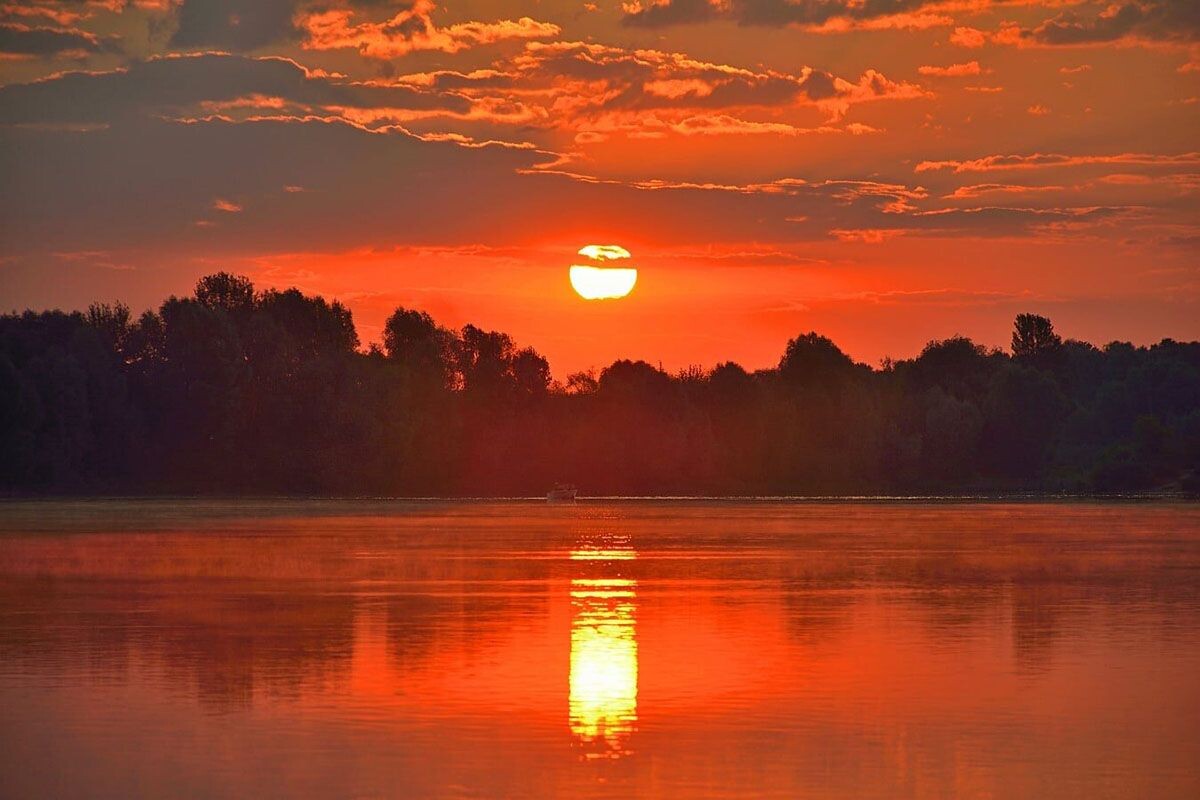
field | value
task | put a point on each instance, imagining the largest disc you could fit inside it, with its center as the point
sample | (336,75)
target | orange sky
(884,172)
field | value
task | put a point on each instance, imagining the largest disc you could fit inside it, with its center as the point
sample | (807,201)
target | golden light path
(604,656)
(601,282)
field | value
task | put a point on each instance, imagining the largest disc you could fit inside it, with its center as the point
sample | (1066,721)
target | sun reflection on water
(604,654)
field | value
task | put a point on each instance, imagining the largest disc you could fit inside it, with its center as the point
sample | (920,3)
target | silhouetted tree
(636,382)
(236,391)
(112,324)
(730,384)
(531,372)
(232,293)
(414,339)
(1034,335)
(957,365)
(582,383)
(308,327)
(485,361)
(811,358)
(1023,409)
(951,438)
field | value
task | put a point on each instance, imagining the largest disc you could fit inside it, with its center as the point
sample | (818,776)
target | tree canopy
(235,390)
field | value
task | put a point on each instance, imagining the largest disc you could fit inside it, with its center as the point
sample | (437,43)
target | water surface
(623,649)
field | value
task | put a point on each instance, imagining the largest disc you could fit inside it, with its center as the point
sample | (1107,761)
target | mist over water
(605,649)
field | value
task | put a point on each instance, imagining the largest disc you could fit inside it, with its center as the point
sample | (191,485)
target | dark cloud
(178,84)
(234,24)
(1162,21)
(249,24)
(819,85)
(676,12)
(28,40)
(144,183)
(768,13)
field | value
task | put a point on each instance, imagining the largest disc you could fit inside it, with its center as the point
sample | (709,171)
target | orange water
(628,649)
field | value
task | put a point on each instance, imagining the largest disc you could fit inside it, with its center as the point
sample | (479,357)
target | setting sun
(600,282)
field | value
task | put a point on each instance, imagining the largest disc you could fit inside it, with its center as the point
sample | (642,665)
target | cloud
(977,190)
(947,298)
(242,25)
(590,92)
(952,71)
(664,13)
(968,37)
(827,16)
(595,90)
(20,39)
(45,13)
(865,235)
(998,163)
(1176,21)
(188,86)
(233,24)
(1019,220)
(724,124)
(411,29)
(91,190)
(363,187)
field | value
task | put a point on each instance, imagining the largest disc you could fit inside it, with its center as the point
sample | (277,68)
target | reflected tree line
(232,390)
(274,615)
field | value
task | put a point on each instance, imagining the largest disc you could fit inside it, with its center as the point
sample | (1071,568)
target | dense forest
(237,391)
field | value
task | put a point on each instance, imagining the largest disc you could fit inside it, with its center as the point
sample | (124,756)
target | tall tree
(1033,336)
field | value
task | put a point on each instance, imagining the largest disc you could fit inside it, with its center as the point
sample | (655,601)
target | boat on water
(562,493)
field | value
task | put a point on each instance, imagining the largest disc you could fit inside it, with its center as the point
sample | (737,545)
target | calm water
(658,649)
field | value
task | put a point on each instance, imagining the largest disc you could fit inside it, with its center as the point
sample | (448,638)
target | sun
(601,282)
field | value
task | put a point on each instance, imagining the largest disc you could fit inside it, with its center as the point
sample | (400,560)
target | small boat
(561,494)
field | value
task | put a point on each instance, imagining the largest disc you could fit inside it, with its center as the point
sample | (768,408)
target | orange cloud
(1044,160)
(980,189)
(830,16)
(903,22)
(952,71)
(596,91)
(409,30)
(865,235)
(674,89)
(968,37)
(59,16)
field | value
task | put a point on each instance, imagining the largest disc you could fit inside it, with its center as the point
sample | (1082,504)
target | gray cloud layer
(20,39)
(233,24)
(766,12)
(179,83)
(1164,20)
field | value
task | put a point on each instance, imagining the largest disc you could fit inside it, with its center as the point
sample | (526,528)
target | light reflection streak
(604,654)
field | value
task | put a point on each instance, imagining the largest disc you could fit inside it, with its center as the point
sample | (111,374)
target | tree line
(232,390)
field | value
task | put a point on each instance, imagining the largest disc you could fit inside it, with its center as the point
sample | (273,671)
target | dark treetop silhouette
(236,391)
